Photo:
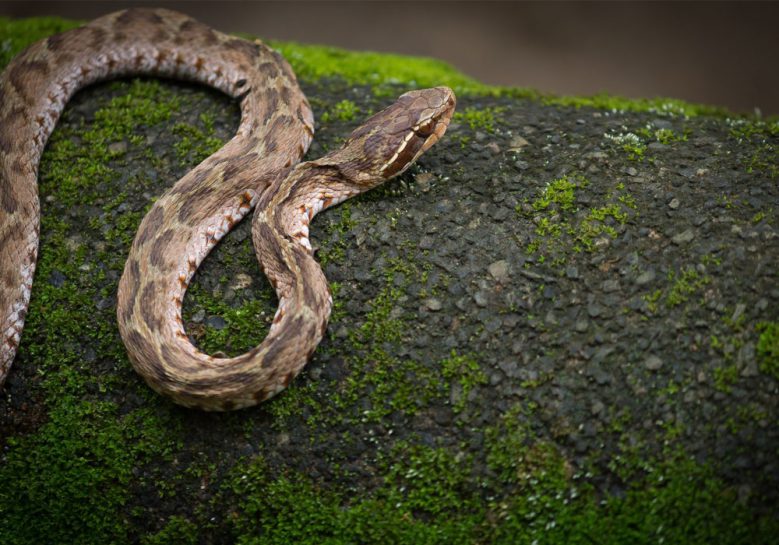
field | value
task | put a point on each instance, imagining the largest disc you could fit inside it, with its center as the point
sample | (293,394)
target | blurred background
(719,53)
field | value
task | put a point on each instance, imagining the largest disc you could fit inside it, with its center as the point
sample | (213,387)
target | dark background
(721,53)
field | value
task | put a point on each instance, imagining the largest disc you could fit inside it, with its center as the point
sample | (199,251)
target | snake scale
(259,167)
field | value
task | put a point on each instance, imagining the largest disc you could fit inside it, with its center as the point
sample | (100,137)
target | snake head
(390,141)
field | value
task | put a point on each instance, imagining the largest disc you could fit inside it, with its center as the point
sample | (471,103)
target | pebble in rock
(424,181)
(217,322)
(645,277)
(683,237)
(433,304)
(499,270)
(653,363)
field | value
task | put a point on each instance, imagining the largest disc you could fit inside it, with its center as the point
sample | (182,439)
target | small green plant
(768,348)
(667,136)
(559,192)
(484,119)
(685,284)
(346,110)
(466,371)
(629,142)
(725,377)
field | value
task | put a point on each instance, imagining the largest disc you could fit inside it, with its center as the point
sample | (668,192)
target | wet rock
(216,322)
(433,304)
(499,270)
(645,277)
(684,237)
(653,363)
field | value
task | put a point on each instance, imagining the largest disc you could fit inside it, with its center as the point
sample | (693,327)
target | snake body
(259,167)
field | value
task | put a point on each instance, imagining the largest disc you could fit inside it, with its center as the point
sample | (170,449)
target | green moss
(381,71)
(68,482)
(334,248)
(177,531)
(559,192)
(667,136)
(684,284)
(72,479)
(560,226)
(465,371)
(345,110)
(630,143)
(426,497)
(485,119)
(195,143)
(725,377)
(245,326)
(16,34)
(768,348)
(756,133)
(661,106)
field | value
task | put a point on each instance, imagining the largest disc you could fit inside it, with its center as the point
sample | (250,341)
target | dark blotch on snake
(269,70)
(7,199)
(196,28)
(138,15)
(150,225)
(248,49)
(152,319)
(145,348)
(132,274)
(159,248)
(271,105)
(295,329)
(21,75)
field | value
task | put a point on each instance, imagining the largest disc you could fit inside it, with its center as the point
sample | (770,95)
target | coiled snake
(258,168)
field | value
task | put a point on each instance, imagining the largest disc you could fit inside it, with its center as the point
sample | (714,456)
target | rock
(424,181)
(674,204)
(517,143)
(609,286)
(217,322)
(738,312)
(117,147)
(645,277)
(480,298)
(653,363)
(241,281)
(684,237)
(499,270)
(57,278)
(433,304)
(521,165)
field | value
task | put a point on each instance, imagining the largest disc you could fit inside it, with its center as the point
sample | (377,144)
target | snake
(259,168)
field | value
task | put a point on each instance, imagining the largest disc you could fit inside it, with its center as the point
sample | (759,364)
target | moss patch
(768,348)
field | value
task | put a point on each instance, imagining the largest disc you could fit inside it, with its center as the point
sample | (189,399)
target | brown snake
(259,167)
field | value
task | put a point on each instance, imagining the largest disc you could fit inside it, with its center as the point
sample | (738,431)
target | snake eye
(425,129)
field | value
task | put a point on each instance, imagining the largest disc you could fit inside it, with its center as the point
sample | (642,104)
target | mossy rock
(558,328)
